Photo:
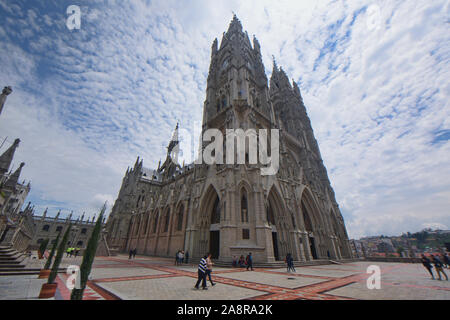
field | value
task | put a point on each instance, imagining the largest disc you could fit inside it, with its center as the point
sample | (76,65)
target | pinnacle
(235,25)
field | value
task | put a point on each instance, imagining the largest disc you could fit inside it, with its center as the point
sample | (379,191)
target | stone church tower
(232,209)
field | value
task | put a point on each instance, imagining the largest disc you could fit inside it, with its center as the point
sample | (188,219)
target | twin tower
(232,209)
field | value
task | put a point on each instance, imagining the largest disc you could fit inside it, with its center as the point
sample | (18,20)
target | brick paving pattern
(324,282)
(114,278)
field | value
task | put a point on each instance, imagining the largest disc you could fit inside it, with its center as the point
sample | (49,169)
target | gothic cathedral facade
(231,209)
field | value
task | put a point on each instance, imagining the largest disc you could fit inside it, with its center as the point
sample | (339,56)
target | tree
(42,247)
(52,253)
(59,255)
(88,257)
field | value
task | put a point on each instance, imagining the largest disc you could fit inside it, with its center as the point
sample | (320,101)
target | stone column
(306,246)
(171,227)
(297,253)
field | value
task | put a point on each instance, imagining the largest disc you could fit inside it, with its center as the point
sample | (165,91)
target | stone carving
(6,92)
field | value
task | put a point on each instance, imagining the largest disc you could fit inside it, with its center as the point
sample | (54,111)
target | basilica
(228,209)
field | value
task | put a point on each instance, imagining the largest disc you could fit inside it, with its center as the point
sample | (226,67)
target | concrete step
(9,257)
(8,253)
(276,264)
(21,272)
(5,262)
(18,273)
(11,266)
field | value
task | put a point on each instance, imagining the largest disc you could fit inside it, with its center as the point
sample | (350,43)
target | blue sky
(373,75)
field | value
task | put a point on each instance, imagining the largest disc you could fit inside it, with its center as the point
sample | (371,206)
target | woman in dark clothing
(291,263)
(427,264)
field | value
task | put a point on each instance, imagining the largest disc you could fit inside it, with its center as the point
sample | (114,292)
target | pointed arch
(310,209)
(167,220)
(275,205)
(155,221)
(146,218)
(244,205)
(210,205)
(215,212)
(180,217)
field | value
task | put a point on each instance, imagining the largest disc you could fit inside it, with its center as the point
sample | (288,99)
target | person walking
(202,266)
(130,255)
(177,257)
(187,257)
(250,261)
(291,263)
(446,260)
(286,260)
(438,265)
(427,264)
(209,265)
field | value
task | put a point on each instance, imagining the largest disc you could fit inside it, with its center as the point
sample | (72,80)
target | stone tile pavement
(155,278)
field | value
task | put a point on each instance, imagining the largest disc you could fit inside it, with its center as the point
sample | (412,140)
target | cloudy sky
(373,75)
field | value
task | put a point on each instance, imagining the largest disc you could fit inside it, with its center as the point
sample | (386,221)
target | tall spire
(6,92)
(235,25)
(275,67)
(173,145)
(7,157)
(44,214)
(14,178)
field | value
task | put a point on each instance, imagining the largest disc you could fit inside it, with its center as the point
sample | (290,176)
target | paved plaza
(150,278)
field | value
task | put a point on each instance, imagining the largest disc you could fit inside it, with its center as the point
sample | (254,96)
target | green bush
(52,253)
(59,256)
(43,246)
(88,257)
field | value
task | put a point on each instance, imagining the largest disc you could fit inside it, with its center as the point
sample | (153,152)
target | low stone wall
(393,259)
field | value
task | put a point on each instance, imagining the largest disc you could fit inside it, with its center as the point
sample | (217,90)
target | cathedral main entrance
(275,246)
(312,246)
(214,244)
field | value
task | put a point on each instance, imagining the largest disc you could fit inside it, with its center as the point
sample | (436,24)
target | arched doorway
(277,219)
(309,229)
(208,222)
(311,222)
(214,234)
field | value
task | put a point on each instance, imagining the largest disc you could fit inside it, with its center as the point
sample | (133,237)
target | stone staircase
(276,264)
(12,263)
